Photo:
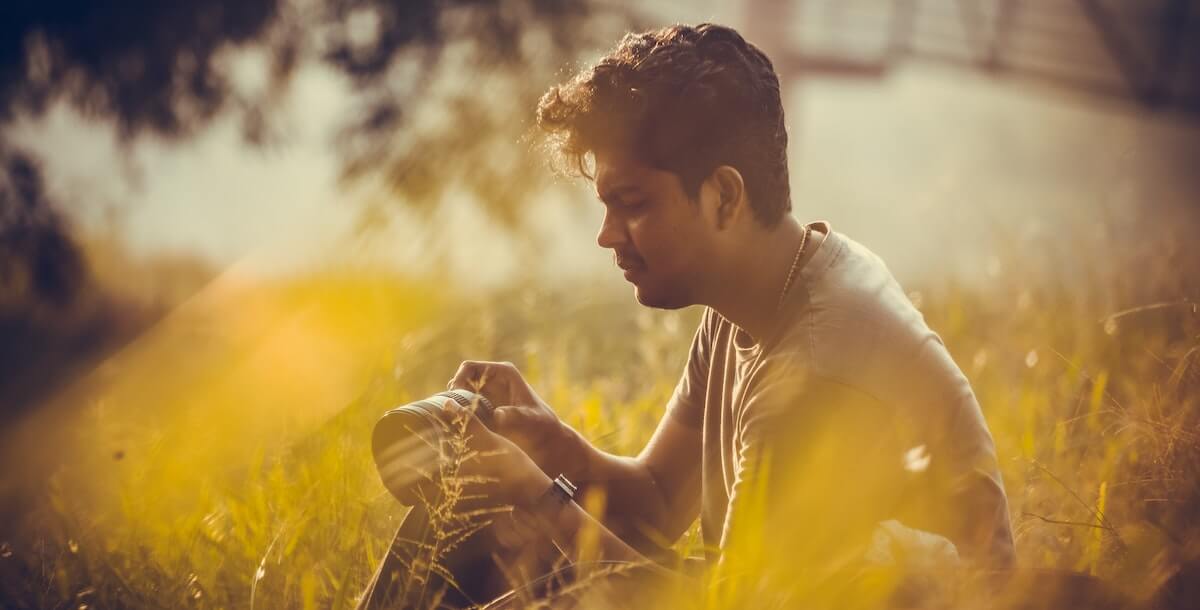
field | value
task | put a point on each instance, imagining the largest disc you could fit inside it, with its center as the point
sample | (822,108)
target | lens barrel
(409,442)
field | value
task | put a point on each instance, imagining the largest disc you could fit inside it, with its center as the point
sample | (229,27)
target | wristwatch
(561,493)
(546,508)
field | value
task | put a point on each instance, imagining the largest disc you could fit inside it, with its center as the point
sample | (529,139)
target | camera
(410,442)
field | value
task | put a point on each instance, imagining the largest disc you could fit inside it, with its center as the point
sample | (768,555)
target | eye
(635,204)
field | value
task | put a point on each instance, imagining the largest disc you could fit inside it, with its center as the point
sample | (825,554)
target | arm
(650,498)
(510,478)
(568,525)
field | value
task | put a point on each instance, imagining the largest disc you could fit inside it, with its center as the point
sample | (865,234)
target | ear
(727,193)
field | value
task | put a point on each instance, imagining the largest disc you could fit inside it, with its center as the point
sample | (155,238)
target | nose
(612,232)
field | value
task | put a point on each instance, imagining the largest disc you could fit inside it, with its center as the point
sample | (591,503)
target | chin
(659,300)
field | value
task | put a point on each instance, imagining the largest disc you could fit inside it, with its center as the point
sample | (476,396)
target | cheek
(641,234)
(652,238)
(662,242)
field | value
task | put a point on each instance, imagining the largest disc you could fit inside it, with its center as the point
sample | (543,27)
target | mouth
(629,265)
(628,261)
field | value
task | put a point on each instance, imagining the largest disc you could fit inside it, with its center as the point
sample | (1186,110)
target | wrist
(579,467)
(531,486)
(549,511)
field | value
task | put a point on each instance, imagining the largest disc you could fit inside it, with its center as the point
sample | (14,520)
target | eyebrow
(617,193)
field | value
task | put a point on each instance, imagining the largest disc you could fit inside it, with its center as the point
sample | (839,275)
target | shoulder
(862,330)
(856,317)
(859,286)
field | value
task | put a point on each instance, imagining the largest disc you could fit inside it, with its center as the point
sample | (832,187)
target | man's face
(656,233)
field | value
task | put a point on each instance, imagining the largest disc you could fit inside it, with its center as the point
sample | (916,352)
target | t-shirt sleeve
(687,401)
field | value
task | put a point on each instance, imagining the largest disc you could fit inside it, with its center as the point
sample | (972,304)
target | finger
(467,372)
(517,424)
(473,375)
(519,416)
(515,420)
(456,411)
(506,417)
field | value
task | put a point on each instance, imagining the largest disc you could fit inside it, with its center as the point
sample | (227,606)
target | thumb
(519,424)
(507,418)
(456,410)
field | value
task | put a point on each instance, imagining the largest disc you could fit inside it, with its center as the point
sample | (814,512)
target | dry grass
(223,461)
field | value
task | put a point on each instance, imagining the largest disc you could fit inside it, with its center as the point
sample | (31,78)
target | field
(222,459)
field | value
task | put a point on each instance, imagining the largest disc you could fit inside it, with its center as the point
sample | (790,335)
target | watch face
(565,486)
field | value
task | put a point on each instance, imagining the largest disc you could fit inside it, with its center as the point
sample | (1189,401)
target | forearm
(585,542)
(582,538)
(634,506)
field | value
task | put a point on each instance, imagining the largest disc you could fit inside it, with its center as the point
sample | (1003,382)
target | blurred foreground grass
(223,461)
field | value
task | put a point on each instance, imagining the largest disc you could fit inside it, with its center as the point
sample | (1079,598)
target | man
(815,403)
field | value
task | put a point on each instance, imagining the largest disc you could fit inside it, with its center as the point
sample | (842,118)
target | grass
(223,460)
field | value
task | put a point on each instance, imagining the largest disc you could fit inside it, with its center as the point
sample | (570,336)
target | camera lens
(408,442)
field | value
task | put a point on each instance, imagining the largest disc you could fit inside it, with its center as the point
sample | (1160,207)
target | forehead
(617,172)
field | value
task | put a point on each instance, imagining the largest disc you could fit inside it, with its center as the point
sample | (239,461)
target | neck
(747,287)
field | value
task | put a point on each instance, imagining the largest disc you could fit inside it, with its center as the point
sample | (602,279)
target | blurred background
(232,232)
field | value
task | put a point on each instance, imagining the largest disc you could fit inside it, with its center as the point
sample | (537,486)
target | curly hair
(681,99)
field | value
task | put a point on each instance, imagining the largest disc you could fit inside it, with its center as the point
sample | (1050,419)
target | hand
(496,475)
(494,470)
(523,417)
